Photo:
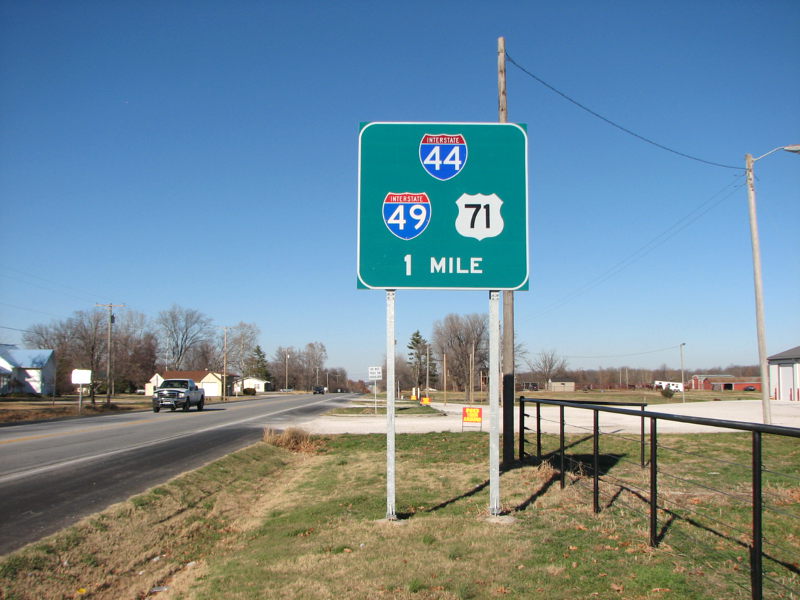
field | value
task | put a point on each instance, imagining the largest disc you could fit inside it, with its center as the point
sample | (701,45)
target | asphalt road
(54,473)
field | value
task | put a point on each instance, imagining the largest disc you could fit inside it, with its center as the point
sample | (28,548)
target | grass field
(643,395)
(307,522)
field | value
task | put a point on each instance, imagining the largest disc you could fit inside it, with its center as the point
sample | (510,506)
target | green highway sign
(443,206)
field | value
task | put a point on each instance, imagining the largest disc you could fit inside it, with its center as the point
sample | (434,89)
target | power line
(679,225)
(614,124)
(48,288)
(630,354)
(30,310)
(15,329)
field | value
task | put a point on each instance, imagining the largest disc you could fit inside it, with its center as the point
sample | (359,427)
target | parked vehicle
(318,389)
(178,393)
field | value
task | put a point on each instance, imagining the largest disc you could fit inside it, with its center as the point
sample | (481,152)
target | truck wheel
(172,408)
(156,408)
(200,404)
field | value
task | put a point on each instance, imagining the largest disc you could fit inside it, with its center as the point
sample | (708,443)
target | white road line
(91,457)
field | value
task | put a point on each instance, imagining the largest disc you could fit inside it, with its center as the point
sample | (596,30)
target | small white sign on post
(81,377)
(375,374)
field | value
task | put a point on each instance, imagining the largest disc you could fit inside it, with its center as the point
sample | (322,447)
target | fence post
(641,440)
(539,430)
(756,572)
(521,427)
(596,462)
(653,483)
(561,444)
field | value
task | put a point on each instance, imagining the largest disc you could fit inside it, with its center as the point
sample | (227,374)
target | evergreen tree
(420,360)
(257,365)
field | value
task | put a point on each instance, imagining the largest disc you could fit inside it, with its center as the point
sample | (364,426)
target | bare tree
(336,378)
(181,329)
(314,357)
(135,350)
(205,355)
(547,364)
(461,338)
(242,341)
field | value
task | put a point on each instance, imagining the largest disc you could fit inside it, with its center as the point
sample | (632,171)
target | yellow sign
(425,400)
(471,415)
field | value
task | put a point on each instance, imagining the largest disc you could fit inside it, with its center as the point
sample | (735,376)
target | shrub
(292,439)
(667,392)
(249,391)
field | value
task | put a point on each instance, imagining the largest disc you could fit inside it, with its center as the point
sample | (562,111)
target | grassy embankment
(271,523)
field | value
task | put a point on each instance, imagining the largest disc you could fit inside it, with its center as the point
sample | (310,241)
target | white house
(784,375)
(259,385)
(27,371)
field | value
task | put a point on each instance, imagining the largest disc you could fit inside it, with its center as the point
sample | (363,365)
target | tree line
(178,338)
(459,353)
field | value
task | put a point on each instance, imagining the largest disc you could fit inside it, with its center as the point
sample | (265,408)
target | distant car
(750,388)
(141,392)
(318,389)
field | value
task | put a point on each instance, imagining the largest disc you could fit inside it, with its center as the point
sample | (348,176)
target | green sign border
(389,162)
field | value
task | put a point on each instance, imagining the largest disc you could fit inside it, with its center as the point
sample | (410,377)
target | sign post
(443,206)
(375,375)
(81,377)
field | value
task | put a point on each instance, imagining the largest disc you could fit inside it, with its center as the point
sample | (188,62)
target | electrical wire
(679,225)
(629,354)
(15,329)
(614,124)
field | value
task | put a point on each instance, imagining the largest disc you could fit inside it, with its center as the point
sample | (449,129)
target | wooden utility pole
(225,365)
(110,308)
(444,374)
(508,296)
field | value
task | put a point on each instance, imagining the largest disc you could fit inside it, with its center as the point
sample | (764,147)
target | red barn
(725,383)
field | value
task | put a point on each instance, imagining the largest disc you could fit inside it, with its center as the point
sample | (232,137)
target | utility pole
(749,161)
(508,296)
(225,364)
(428,367)
(444,374)
(766,410)
(683,377)
(110,308)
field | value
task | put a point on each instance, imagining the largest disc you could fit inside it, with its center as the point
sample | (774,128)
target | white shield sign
(479,216)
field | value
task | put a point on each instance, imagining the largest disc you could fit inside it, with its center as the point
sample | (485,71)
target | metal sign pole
(391,513)
(494,403)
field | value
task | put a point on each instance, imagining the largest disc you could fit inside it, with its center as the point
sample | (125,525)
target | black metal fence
(721,520)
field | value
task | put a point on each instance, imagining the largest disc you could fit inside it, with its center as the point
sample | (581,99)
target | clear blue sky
(216,142)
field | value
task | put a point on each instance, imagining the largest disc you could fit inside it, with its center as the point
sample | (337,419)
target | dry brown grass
(42,409)
(292,439)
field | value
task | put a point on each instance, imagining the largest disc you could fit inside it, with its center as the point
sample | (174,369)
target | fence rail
(650,493)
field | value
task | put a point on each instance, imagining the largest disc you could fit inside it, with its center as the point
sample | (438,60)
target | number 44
(452,159)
